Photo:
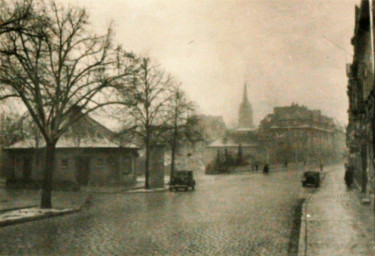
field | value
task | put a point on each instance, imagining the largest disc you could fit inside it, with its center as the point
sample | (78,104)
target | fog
(287,51)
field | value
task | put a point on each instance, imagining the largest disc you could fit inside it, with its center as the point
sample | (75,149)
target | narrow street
(239,214)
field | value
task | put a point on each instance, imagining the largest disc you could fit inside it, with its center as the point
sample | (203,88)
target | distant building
(245,112)
(297,134)
(290,134)
(244,136)
(232,140)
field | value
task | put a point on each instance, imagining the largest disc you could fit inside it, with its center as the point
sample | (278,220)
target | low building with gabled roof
(246,138)
(87,154)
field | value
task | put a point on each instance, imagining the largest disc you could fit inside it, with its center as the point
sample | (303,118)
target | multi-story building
(297,134)
(360,72)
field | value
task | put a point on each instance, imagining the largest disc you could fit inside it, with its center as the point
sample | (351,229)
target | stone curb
(17,208)
(120,191)
(146,191)
(302,247)
(303,232)
(39,217)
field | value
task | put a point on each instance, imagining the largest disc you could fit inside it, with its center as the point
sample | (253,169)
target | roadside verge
(13,217)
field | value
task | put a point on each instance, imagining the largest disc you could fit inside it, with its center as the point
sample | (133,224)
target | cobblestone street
(241,214)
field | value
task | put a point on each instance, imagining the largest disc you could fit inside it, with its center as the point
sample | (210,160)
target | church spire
(244,95)
(245,113)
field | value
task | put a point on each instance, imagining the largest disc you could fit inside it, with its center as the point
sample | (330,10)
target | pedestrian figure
(256,167)
(265,168)
(321,166)
(349,172)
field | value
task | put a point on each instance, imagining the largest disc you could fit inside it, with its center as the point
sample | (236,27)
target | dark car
(183,180)
(311,178)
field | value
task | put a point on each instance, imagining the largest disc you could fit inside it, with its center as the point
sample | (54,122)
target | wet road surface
(240,214)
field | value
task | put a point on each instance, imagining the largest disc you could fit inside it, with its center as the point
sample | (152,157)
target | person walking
(349,173)
(266,168)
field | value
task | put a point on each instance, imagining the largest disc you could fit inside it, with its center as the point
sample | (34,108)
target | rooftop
(220,143)
(86,133)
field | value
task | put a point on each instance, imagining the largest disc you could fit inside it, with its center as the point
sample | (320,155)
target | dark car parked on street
(311,178)
(182,179)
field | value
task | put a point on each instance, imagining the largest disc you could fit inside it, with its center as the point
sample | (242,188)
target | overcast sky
(286,50)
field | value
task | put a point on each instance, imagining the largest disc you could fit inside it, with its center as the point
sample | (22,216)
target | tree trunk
(174,146)
(48,173)
(147,164)
(173,156)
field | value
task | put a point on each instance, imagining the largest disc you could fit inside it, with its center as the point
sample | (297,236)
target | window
(64,163)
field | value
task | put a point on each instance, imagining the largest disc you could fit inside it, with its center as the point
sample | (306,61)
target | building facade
(297,134)
(86,155)
(360,73)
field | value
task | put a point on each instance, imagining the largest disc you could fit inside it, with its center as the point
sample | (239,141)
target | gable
(85,133)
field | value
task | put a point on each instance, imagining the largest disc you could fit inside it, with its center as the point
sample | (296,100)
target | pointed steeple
(245,113)
(244,95)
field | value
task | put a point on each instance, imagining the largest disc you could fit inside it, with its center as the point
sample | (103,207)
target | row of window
(64,163)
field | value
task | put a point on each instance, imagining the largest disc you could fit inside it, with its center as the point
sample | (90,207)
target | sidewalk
(20,198)
(334,222)
(22,205)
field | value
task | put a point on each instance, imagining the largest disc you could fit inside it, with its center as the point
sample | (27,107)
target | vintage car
(311,178)
(182,180)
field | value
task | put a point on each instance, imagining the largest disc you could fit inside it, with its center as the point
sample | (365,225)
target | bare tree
(31,132)
(59,72)
(11,13)
(11,129)
(181,127)
(146,117)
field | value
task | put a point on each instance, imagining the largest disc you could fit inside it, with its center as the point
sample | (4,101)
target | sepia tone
(187,127)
